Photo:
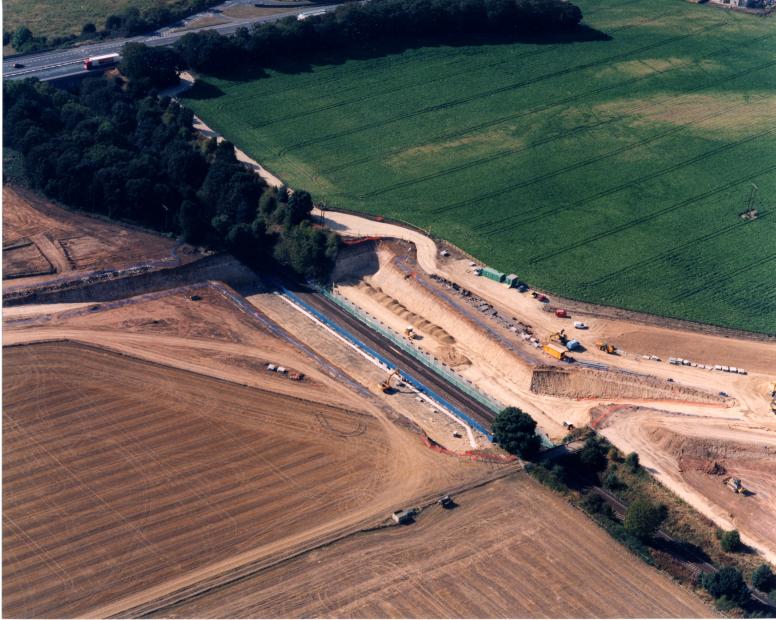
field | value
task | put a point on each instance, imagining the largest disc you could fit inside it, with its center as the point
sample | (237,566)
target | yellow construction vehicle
(734,484)
(386,386)
(606,347)
(559,337)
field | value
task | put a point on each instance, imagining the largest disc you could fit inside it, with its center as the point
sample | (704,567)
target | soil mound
(580,383)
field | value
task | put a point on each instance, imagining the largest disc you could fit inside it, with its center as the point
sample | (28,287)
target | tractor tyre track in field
(668,253)
(623,186)
(549,139)
(468,70)
(640,220)
(493,91)
(598,158)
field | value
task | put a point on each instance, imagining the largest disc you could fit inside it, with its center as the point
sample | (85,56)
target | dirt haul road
(509,376)
(186,476)
(509,549)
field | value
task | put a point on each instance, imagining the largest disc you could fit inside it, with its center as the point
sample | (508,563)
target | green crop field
(611,171)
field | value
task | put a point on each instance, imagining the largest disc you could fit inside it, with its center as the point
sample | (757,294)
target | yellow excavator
(386,386)
(559,337)
(773,397)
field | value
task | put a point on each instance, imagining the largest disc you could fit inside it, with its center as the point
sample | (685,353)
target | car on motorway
(18,65)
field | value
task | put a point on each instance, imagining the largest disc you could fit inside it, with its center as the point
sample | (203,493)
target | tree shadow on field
(203,90)
(379,49)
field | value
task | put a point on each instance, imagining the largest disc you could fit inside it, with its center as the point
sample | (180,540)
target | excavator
(606,347)
(559,337)
(773,397)
(735,485)
(386,386)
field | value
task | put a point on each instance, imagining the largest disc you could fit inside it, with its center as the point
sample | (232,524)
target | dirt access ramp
(506,550)
(595,384)
(694,455)
(44,243)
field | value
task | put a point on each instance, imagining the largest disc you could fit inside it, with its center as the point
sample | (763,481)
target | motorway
(400,358)
(68,62)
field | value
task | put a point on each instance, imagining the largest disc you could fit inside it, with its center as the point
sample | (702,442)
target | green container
(492,274)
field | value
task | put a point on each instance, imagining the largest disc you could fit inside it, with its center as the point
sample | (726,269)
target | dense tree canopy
(134,157)
(727,582)
(762,578)
(356,25)
(158,66)
(515,431)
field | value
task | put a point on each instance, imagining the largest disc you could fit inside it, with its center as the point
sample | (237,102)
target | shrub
(730,541)
(762,578)
(632,462)
(593,455)
(643,518)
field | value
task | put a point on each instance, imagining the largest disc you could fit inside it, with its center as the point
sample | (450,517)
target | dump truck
(555,351)
(98,62)
(606,347)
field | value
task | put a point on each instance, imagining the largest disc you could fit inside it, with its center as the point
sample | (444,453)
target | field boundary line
(252,567)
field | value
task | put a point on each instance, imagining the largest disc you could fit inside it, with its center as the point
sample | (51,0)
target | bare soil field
(201,461)
(509,549)
(41,238)
(112,487)
(694,456)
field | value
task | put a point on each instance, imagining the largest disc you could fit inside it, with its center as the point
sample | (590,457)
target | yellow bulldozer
(735,485)
(606,347)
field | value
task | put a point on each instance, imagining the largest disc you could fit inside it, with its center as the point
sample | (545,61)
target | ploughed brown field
(509,549)
(120,474)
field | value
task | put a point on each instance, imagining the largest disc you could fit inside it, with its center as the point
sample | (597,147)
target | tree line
(126,153)
(372,24)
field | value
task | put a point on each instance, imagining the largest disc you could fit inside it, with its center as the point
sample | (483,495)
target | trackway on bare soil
(509,549)
(265,455)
